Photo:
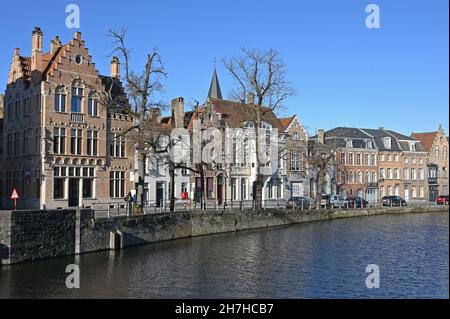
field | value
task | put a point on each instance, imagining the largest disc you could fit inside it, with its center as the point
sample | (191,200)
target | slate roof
(214,90)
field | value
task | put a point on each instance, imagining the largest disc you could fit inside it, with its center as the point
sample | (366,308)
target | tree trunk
(202,189)
(319,185)
(140,189)
(172,187)
(257,197)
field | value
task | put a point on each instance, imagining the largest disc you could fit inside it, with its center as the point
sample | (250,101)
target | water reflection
(315,260)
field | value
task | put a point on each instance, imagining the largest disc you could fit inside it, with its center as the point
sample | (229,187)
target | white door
(407,193)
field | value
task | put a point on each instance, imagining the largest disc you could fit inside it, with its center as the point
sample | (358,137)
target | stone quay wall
(31,235)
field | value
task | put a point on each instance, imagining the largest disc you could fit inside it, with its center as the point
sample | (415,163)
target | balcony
(432,180)
(77,118)
(371,185)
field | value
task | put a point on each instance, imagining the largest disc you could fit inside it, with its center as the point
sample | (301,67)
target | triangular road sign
(15,194)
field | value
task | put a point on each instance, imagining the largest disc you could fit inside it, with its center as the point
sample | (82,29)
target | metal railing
(116,209)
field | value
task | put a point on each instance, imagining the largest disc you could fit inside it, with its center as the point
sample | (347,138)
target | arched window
(296,136)
(367,177)
(93,104)
(359,177)
(351,177)
(374,177)
(444,152)
(343,178)
(436,152)
(60,99)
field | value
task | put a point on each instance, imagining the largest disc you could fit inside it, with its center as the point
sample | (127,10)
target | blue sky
(345,74)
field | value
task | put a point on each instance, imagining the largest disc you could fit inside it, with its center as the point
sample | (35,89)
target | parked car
(333,200)
(325,202)
(357,202)
(442,200)
(393,201)
(299,203)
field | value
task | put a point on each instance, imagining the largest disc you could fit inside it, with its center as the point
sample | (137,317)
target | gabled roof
(426,139)
(214,89)
(286,121)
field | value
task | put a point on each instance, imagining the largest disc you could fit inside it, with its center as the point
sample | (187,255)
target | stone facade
(63,143)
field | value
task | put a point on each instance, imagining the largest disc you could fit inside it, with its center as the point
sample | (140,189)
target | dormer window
(369,144)
(387,142)
(349,143)
(412,146)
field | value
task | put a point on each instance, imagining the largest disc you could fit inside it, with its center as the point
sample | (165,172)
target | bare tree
(261,86)
(322,158)
(142,87)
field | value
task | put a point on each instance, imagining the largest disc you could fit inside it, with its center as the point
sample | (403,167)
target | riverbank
(32,235)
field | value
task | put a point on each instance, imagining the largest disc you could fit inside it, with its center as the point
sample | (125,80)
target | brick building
(436,145)
(63,146)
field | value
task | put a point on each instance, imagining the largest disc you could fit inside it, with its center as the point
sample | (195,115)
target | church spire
(214,89)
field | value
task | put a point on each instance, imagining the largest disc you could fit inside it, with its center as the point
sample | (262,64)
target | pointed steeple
(214,89)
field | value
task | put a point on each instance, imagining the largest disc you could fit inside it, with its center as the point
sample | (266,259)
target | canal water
(314,260)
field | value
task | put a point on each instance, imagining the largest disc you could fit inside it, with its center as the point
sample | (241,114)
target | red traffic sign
(15,194)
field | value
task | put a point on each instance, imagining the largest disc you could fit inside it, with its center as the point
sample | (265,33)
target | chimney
(16,57)
(156,114)
(115,67)
(321,136)
(77,35)
(178,112)
(381,128)
(250,98)
(55,44)
(36,50)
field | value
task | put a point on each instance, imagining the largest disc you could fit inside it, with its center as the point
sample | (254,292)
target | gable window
(93,105)
(436,152)
(295,136)
(77,99)
(60,100)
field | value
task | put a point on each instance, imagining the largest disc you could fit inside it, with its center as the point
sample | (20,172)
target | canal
(313,260)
